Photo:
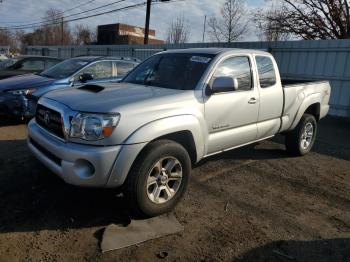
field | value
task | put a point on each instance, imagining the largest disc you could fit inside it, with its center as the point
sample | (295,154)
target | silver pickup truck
(171,111)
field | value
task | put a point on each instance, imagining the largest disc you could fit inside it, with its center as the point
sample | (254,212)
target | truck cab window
(237,67)
(266,71)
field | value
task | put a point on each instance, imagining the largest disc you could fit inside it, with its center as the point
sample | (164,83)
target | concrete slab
(138,231)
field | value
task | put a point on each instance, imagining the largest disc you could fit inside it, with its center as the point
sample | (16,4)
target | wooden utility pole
(148,14)
(62,32)
(205,23)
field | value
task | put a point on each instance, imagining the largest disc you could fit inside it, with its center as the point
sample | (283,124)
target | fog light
(84,168)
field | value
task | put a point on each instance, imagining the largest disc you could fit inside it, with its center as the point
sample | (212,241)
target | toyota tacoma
(174,109)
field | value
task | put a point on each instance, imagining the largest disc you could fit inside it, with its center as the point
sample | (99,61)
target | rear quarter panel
(301,96)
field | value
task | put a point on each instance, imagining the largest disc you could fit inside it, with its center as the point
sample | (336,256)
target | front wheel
(158,178)
(301,140)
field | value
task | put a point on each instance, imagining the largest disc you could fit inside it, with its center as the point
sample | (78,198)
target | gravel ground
(251,204)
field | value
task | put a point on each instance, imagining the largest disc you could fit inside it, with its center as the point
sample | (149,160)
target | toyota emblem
(47,117)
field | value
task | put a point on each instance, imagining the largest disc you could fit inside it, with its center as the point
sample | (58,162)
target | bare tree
(11,39)
(53,32)
(82,35)
(6,37)
(314,19)
(232,24)
(269,29)
(178,31)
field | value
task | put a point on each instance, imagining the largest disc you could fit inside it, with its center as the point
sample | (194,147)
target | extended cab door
(271,96)
(231,117)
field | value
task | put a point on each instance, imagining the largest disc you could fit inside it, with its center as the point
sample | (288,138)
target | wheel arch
(185,130)
(311,105)
(314,109)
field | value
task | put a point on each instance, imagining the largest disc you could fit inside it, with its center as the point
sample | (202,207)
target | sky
(193,10)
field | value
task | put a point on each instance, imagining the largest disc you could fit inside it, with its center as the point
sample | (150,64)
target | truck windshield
(173,70)
(65,69)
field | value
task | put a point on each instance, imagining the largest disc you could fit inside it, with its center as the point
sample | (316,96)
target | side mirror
(224,84)
(86,77)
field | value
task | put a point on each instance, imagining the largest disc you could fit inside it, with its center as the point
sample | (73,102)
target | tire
(147,179)
(298,142)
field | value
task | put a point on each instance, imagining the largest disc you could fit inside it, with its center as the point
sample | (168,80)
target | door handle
(253,100)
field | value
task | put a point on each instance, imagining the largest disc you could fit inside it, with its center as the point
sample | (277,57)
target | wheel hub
(307,136)
(164,180)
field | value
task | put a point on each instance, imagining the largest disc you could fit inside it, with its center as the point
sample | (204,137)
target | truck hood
(24,81)
(109,98)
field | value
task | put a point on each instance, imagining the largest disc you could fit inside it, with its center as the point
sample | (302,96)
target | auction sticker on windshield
(200,59)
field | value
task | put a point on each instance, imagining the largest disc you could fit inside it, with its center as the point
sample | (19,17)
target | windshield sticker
(200,59)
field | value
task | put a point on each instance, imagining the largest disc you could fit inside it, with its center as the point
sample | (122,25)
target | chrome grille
(50,120)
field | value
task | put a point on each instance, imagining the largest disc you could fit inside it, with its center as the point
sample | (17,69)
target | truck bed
(296,91)
(291,82)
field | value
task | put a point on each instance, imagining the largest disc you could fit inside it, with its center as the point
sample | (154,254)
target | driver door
(231,117)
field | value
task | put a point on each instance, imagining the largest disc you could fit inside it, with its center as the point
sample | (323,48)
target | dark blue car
(18,95)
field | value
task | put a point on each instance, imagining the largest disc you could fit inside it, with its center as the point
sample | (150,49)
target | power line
(27,26)
(85,3)
(90,16)
(45,17)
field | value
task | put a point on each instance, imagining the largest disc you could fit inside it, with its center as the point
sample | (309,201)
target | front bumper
(76,164)
(14,105)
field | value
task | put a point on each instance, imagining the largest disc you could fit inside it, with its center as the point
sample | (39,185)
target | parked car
(19,95)
(28,64)
(173,110)
(6,63)
(3,57)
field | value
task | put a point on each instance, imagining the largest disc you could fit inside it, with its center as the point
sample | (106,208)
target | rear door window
(123,68)
(266,71)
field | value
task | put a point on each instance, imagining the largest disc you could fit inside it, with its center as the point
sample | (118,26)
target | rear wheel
(301,140)
(158,178)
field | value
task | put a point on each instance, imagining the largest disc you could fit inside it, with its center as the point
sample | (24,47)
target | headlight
(93,126)
(22,91)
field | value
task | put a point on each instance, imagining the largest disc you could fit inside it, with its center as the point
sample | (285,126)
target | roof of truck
(215,50)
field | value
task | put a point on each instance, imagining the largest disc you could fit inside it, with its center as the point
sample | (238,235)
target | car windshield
(173,70)
(65,69)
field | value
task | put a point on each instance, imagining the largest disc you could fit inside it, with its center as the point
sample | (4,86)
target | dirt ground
(251,204)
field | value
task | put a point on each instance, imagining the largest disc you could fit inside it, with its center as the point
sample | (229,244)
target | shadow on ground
(11,121)
(325,250)
(32,198)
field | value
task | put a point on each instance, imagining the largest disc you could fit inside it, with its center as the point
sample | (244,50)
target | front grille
(50,120)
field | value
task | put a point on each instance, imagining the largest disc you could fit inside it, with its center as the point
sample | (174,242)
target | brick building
(122,34)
